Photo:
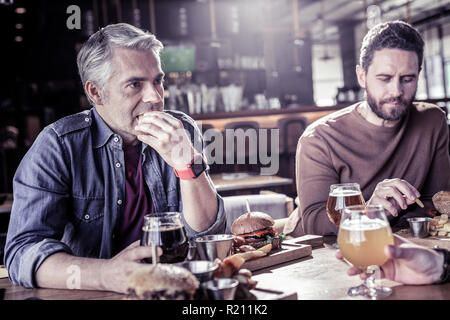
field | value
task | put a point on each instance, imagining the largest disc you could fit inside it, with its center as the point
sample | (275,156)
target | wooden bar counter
(265,118)
(319,276)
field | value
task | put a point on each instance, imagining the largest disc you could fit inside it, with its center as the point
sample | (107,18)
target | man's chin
(393,113)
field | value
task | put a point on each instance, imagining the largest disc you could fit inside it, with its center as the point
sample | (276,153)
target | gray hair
(94,58)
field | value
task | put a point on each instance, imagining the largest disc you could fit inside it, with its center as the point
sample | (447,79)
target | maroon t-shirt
(138,202)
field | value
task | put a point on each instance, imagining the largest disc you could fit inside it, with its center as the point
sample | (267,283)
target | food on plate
(441,202)
(161,282)
(254,229)
(230,268)
(440,226)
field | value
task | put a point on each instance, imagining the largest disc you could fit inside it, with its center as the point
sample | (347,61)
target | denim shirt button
(118,165)
(87,217)
(119,201)
(116,139)
(87,119)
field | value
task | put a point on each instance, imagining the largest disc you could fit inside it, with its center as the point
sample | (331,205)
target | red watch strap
(185,174)
(188,173)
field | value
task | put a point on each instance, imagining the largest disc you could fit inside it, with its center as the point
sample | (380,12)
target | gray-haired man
(81,191)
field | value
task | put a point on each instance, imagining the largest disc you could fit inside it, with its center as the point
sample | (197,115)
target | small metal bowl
(214,246)
(420,227)
(220,289)
(203,270)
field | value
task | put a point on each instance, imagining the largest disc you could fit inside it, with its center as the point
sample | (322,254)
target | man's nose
(396,89)
(151,94)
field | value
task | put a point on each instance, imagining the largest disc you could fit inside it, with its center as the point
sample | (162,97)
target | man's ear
(361,75)
(94,92)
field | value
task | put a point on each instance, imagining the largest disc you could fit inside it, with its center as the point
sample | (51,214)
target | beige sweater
(343,147)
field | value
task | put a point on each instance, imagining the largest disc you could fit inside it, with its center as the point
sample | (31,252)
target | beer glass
(341,196)
(363,233)
(165,230)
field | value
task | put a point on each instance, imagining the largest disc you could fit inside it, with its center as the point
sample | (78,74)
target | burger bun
(250,222)
(441,202)
(162,282)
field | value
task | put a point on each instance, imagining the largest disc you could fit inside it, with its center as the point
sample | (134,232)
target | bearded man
(395,148)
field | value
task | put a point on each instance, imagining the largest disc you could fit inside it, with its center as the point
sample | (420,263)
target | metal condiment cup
(214,246)
(220,289)
(420,227)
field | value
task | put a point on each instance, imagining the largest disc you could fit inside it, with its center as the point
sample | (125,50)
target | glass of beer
(341,196)
(165,230)
(363,233)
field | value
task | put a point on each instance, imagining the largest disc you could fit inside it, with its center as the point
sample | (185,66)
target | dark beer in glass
(166,230)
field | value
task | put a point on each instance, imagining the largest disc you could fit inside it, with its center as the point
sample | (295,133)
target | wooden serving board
(290,250)
(313,240)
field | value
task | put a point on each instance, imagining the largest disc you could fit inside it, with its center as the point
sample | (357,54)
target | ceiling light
(21,10)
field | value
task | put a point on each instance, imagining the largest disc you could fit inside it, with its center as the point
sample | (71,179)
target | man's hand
(115,271)
(407,263)
(394,195)
(167,136)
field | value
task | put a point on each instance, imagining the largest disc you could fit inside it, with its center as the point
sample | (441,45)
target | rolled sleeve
(38,216)
(22,270)
(218,227)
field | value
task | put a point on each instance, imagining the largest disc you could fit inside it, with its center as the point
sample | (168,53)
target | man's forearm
(64,271)
(199,202)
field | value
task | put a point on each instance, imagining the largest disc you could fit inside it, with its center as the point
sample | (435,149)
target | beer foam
(363,224)
(340,192)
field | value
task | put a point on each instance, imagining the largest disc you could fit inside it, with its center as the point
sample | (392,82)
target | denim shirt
(69,192)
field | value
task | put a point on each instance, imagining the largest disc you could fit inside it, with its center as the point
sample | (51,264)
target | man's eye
(135,84)
(407,80)
(159,81)
(384,79)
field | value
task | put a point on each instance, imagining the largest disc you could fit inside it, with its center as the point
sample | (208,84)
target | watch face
(198,168)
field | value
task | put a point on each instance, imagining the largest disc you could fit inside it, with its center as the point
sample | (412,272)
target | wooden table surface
(322,277)
(241,181)
(317,277)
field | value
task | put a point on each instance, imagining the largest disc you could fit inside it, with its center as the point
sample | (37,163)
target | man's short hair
(390,35)
(94,58)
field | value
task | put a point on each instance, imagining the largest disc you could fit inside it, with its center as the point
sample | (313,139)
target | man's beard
(395,113)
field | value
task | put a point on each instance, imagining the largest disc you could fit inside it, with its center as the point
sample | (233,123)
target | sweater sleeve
(314,175)
(438,177)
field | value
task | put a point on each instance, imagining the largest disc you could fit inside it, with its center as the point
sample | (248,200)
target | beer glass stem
(155,258)
(369,288)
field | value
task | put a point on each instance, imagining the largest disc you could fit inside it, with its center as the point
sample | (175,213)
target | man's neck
(370,116)
(130,141)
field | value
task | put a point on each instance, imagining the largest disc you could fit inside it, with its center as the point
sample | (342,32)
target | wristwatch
(194,169)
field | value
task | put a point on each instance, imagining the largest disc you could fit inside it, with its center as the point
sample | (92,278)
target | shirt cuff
(218,227)
(23,270)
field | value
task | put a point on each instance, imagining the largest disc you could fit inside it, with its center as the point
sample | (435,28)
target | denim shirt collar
(101,132)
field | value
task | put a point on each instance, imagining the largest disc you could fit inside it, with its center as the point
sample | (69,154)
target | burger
(254,230)
(441,202)
(161,282)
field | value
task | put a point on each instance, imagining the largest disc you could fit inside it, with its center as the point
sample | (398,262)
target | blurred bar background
(227,62)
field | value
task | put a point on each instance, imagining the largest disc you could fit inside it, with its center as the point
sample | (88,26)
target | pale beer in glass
(341,196)
(363,234)
(362,243)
